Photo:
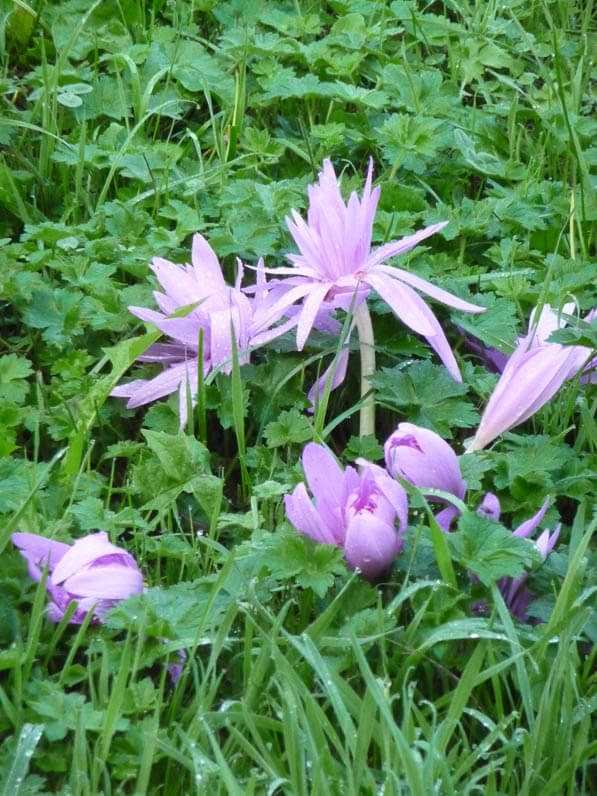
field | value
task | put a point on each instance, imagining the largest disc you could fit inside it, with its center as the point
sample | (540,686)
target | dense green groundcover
(128,125)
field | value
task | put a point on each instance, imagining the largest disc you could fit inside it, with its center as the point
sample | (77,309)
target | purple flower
(490,507)
(515,592)
(534,372)
(363,513)
(92,571)
(336,263)
(216,308)
(423,458)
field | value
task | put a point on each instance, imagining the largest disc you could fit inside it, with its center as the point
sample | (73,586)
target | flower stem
(367,346)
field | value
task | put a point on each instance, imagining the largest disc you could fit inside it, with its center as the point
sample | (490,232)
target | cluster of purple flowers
(365,513)
(335,268)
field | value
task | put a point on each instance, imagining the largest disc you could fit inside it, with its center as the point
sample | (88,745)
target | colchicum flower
(424,459)
(515,592)
(532,375)
(92,571)
(217,308)
(363,513)
(336,265)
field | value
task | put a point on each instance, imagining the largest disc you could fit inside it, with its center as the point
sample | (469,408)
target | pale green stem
(367,346)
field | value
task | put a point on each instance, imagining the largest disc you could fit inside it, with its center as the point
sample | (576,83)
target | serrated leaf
(13,371)
(290,427)
(430,392)
(290,554)
(489,550)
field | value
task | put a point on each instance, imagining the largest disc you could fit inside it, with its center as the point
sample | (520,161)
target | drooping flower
(92,571)
(214,307)
(363,513)
(515,592)
(532,375)
(424,459)
(336,264)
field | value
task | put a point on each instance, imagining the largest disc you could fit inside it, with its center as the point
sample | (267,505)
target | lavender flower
(534,372)
(515,592)
(423,458)
(216,308)
(92,571)
(336,263)
(355,511)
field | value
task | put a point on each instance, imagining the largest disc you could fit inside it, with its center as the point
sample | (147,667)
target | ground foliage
(128,126)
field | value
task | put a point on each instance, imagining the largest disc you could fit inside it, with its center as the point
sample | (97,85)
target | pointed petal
(309,312)
(177,283)
(162,384)
(208,272)
(527,527)
(396,247)
(529,380)
(406,304)
(339,374)
(429,289)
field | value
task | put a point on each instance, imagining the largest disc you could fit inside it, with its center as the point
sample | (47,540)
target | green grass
(125,128)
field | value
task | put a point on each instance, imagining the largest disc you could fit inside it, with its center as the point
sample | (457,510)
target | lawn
(298,449)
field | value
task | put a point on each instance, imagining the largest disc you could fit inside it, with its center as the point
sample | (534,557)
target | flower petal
(109,582)
(304,516)
(85,551)
(429,289)
(370,544)
(408,305)
(396,247)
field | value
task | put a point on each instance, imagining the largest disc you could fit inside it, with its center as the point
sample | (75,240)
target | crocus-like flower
(92,571)
(336,265)
(515,592)
(534,372)
(199,293)
(423,458)
(363,513)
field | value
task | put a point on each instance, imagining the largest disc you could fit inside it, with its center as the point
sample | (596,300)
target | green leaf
(28,740)
(582,333)
(290,427)
(486,548)
(289,553)
(431,393)
(13,371)
(366,447)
